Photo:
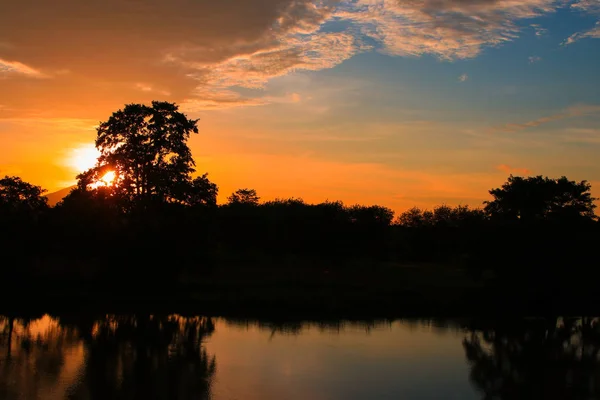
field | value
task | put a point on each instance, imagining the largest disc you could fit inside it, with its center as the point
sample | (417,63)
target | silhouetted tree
(244,196)
(371,215)
(201,192)
(415,218)
(541,198)
(18,196)
(22,208)
(146,148)
(440,216)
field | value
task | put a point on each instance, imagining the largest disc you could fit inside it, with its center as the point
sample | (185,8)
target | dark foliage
(159,227)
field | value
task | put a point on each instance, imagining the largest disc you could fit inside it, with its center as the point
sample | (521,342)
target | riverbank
(383,290)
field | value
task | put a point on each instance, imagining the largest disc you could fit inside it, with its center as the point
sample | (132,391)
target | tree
(244,196)
(146,149)
(440,216)
(541,198)
(18,196)
(201,191)
(371,215)
(415,218)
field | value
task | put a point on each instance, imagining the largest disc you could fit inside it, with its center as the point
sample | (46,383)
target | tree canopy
(541,198)
(244,196)
(146,147)
(20,196)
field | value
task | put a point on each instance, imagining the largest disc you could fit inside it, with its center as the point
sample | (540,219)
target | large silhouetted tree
(541,198)
(146,146)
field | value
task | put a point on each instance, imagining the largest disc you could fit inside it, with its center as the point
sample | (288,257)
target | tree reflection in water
(141,357)
(536,359)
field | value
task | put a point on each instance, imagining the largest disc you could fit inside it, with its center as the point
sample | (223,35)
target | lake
(176,357)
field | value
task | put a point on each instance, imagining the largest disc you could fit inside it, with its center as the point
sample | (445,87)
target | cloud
(463,77)
(575,111)
(444,28)
(201,51)
(589,7)
(510,170)
(149,89)
(539,31)
(15,67)
(593,33)
(534,59)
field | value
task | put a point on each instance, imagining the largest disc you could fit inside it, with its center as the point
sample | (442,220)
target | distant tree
(440,216)
(371,215)
(415,217)
(541,198)
(146,148)
(244,196)
(201,191)
(19,196)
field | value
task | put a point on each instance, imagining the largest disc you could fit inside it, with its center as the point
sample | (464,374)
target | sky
(400,103)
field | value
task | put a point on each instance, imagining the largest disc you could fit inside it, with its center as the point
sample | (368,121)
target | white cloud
(15,67)
(463,77)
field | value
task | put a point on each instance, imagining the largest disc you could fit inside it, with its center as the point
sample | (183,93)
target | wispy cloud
(588,7)
(445,28)
(463,78)
(534,59)
(15,67)
(511,170)
(150,89)
(575,111)
(539,31)
(593,33)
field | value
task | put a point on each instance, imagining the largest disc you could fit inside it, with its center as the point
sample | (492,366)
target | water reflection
(141,357)
(174,357)
(536,359)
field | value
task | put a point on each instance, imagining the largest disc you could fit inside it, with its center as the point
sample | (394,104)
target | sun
(108,179)
(83,158)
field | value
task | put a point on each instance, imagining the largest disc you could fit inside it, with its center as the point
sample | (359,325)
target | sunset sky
(398,103)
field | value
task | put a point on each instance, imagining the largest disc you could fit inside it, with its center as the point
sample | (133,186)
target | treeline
(161,240)
(155,221)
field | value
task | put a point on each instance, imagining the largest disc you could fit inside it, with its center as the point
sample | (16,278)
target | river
(176,357)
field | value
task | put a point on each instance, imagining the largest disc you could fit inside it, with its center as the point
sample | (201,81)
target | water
(172,357)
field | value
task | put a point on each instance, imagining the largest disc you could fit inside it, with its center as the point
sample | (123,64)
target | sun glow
(83,158)
(107,179)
